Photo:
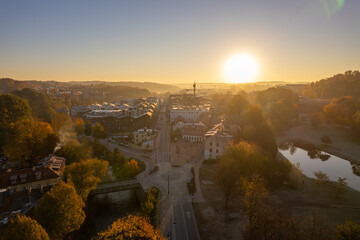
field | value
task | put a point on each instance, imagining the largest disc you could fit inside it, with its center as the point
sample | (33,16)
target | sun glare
(241,68)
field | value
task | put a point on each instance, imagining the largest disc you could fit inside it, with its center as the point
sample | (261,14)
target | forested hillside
(340,85)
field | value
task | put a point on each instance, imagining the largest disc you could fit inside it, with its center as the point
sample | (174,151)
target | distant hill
(340,85)
(9,85)
(151,86)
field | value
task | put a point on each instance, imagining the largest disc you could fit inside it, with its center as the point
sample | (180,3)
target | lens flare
(332,6)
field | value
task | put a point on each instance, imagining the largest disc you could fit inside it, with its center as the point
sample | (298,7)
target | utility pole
(168,183)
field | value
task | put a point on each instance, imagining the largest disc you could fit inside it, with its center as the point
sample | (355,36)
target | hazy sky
(176,40)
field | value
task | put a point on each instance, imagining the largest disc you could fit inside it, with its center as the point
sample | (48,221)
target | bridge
(118,187)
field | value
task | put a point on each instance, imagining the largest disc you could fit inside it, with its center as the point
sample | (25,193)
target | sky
(177,41)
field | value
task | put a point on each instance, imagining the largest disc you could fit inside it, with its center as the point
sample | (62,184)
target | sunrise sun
(241,68)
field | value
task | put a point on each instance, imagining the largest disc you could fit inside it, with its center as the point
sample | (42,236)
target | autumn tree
(348,231)
(61,121)
(74,151)
(235,107)
(60,211)
(280,106)
(32,141)
(226,176)
(22,227)
(255,193)
(42,106)
(79,126)
(131,227)
(98,131)
(85,175)
(255,129)
(132,168)
(342,110)
(12,109)
(150,201)
(87,128)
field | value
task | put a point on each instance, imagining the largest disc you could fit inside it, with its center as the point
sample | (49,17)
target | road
(177,216)
(178,219)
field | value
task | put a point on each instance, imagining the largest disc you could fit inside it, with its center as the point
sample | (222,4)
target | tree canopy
(131,227)
(32,141)
(74,151)
(98,131)
(280,106)
(41,104)
(339,85)
(85,175)
(12,109)
(22,227)
(60,211)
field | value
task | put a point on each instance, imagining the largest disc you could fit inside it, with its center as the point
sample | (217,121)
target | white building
(188,114)
(216,142)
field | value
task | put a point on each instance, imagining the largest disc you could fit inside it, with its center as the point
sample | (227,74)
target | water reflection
(333,166)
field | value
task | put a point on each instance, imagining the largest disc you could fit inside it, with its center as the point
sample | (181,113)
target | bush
(326,139)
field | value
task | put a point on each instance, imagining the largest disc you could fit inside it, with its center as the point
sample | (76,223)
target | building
(47,173)
(193,133)
(142,135)
(189,114)
(216,141)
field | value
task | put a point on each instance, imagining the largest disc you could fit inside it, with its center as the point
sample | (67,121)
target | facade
(142,135)
(189,114)
(46,174)
(193,133)
(121,116)
(216,142)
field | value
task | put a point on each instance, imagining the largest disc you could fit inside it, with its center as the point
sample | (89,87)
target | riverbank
(343,145)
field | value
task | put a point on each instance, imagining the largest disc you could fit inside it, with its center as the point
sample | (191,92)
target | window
(217,150)
(210,143)
(210,149)
(217,144)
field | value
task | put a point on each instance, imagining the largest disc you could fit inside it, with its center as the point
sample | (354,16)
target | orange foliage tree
(131,227)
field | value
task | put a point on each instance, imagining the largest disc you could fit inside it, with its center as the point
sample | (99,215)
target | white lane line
(182,211)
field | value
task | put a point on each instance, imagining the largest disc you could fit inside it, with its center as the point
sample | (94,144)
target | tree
(60,211)
(79,126)
(12,109)
(226,176)
(339,187)
(150,201)
(60,121)
(131,227)
(131,168)
(326,139)
(74,151)
(356,123)
(254,195)
(236,107)
(98,131)
(32,141)
(22,227)
(88,128)
(348,231)
(322,179)
(258,130)
(85,175)
(40,103)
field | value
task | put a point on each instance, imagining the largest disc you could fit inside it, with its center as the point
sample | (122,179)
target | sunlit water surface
(334,167)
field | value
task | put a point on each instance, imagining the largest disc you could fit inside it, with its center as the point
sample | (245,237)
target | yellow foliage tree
(131,227)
